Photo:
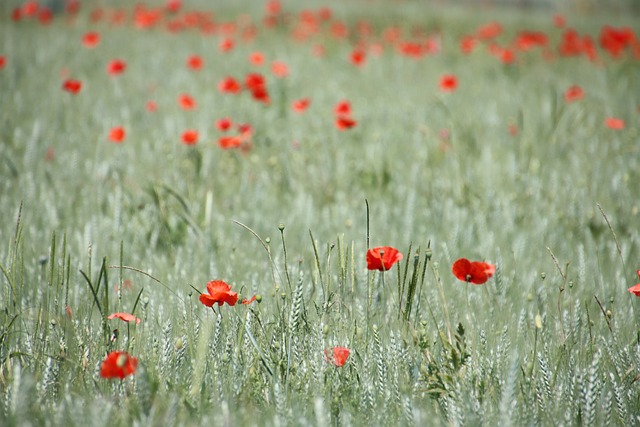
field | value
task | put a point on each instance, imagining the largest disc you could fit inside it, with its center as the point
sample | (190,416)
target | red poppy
(223,124)
(340,355)
(117,134)
(226,142)
(118,364)
(448,83)
(636,288)
(382,258)
(489,31)
(279,69)
(345,122)
(151,106)
(614,123)
(3,61)
(30,8)
(573,93)
(219,292)
(195,62)
(467,44)
(249,301)
(229,85)
(358,57)
(72,86)
(173,6)
(260,93)
(226,45)
(300,105)
(190,137)
(186,102)
(342,108)
(256,58)
(91,39)
(476,272)
(115,67)
(126,317)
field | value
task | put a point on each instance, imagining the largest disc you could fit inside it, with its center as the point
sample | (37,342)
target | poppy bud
(281,227)
(259,298)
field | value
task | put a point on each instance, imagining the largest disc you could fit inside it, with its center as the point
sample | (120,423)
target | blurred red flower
(249,301)
(635,289)
(342,108)
(345,122)
(256,58)
(573,93)
(226,142)
(118,364)
(91,39)
(115,67)
(186,102)
(223,124)
(151,106)
(300,105)
(195,62)
(489,31)
(448,83)
(340,355)
(117,134)
(229,85)
(3,61)
(219,292)
(226,45)
(126,317)
(382,258)
(358,57)
(614,123)
(190,137)
(476,272)
(279,69)
(467,44)
(72,86)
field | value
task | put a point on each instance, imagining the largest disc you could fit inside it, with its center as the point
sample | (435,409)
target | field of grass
(501,168)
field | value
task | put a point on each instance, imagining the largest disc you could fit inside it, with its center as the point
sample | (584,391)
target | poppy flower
(340,355)
(614,123)
(249,301)
(126,317)
(476,272)
(345,122)
(3,61)
(173,6)
(91,39)
(223,124)
(195,62)
(300,105)
(190,137)
(218,292)
(229,85)
(467,44)
(117,134)
(226,142)
(115,67)
(151,106)
(448,83)
(72,86)
(382,258)
(636,288)
(30,8)
(186,102)
(279,69)
(226,45)
(342,108)
(256,58)
(358,57)
(118,364)
(573,93)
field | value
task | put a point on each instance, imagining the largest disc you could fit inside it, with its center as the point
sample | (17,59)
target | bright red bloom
(573,93)
(229,85)
(186,102)
(249,301)
(257,58)
(190,137)
(118,364)
(340,355)
(173,6)
(226,45)
(223,124)
(219,292)
(300,105)
(254,80)
(30,8)
(115,67)
(345,122)
(226,142)
(636,288)
(467,44)
(382,258)
(476,272)
(45,16)
(3,61)
(489,31)
(448,83)
(342,108)
(279,69)
(126,317)
(72,86)
(117,134)
(358,57)
(91,39)
(195,62)
(614,123)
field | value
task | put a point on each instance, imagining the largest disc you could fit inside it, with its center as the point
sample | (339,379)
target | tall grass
(551,339)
